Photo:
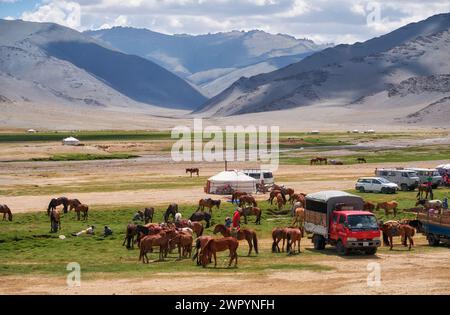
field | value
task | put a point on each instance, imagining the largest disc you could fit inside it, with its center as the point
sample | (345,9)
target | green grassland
(86,157)
(27,247)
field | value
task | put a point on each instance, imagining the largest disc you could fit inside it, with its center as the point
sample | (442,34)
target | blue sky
(337,21)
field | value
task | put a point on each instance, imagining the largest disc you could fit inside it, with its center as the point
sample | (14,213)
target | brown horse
(57,202)
(247,234)
(197,227)
(322,160)
(299,217)
(281,202)
(82,208)
(172,210)
(361,160)
(193,171)
(6,212)
(430,204)
(247,200)
(130,235)
(298,198)
(314,161)
(200,244)
(148,215)
(184,243)
(235,196)
(391,229)
(55,221)
(424,189)
(73,203)
(161,240)
(289,192)
(274,193)
(248,211)
(208,203)
(293,236)
(387,206)
(336,162)
(200,216)
(278,234)
(219,245)
(369,206)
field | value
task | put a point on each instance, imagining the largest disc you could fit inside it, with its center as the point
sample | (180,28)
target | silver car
(376,184)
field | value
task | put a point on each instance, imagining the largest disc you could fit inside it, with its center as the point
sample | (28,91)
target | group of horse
(68,205)
(321,160)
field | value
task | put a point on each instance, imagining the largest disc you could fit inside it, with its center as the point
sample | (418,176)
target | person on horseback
(236,226)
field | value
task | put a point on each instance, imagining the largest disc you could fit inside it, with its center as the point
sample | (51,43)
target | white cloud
(67,13)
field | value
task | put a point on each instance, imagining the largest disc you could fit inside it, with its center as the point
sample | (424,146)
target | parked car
(336,218)
(376,184)
(262,176)
(405,179)
(425,173)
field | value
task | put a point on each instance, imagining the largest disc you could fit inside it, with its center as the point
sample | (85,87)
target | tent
(236,180)
(71,141)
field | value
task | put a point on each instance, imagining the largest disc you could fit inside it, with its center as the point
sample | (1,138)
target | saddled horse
(235,196)
(55,221)
(193,171)
(172,210)
(219,245)
(82,208)
(57,202)
(247,200)
(387,206)
(208,203)
(6,212)
(424,189)
(201,216)
(243,234)
(392,228)
(248,211)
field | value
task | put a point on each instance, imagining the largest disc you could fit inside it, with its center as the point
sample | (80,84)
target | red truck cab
(335,218)
(354,230)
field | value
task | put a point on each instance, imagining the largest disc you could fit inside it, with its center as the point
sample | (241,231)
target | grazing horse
(299,217)
(369,206)
(248,211)
(281,202)
(73,203)
(162,240)
(200,216)
(288,191)
(84,209)
(247,200)
(208,203)
(298,198)
(172,210)
(148,215)
(200,244)
(393,228)
(424,189)
(324,160)
(130,234)
(219,245)
(387,206)
(55,221)
(336,162)
(314,161)
(278,234)
(6,211)
(361,160)
(148,229)
(235,196)
(197,227)
(57,202)
(184,243)
(274,193)
(293,236)
(248,234)
(193,171)
(430,204)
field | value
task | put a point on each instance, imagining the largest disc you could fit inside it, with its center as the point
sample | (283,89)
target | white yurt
(234,179)
(71,141)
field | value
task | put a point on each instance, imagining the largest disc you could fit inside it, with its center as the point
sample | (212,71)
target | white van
(405,179)
(262,176)
(425,173)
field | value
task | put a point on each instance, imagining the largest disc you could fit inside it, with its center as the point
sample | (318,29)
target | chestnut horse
(55,221)
(161,240)
(200,244)
(57,202)
(219,245)
(274,193)
(235,196)
(197,227)
(248,211)
(247,234)
(84,209)
(281,202)
(278,234)
(293,236)
(247,199)
(193,171)
(391,229)
(387,206)
(369,206)
(424,189)
(184,243)
(208,203)
(73,203)
(299,217)
(6,211)
(298,198)
(130,234)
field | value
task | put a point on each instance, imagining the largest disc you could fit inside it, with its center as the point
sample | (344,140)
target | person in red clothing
(236,223)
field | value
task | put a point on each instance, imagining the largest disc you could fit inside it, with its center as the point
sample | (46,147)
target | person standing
(236,225)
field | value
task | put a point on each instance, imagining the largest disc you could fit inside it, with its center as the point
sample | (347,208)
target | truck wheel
(433,240)
(404,187)
(319,242)
(361,189)
(371,251)
(341,249)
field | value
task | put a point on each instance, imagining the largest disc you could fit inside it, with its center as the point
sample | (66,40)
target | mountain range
(211,62)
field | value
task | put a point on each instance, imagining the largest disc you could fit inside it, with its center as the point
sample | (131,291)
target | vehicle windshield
(383,180)
(362,222)
(411,174)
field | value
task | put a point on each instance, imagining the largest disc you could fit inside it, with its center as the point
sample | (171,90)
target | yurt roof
(231,176)
(71,139)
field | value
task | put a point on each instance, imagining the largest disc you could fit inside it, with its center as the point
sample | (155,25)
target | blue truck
(436,227)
